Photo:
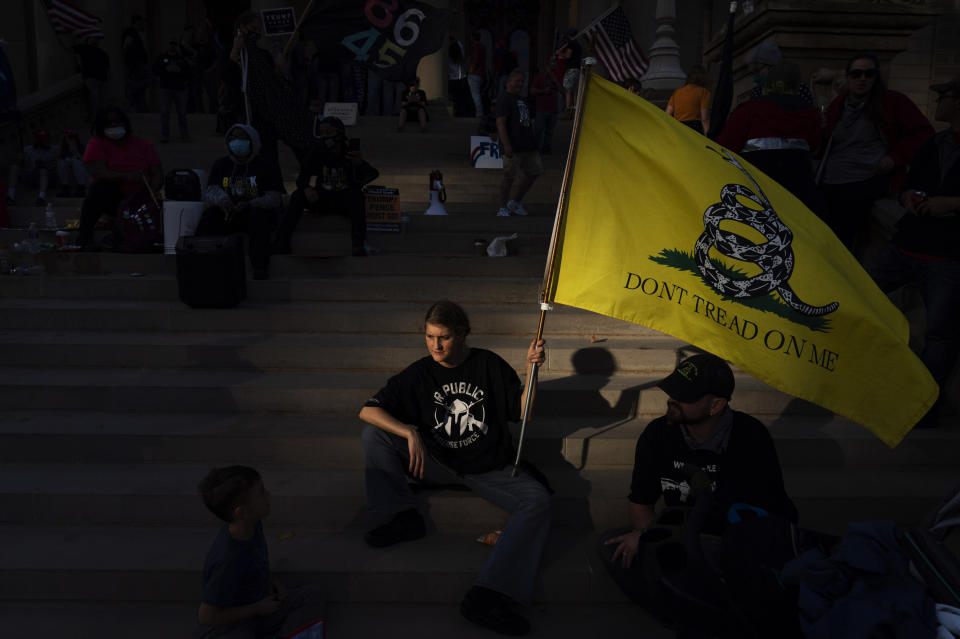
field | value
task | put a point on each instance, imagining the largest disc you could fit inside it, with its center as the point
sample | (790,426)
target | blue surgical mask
(761,77)
(240,148)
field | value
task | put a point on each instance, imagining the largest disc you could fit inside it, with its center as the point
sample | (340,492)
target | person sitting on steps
(413,106)
(120,164)
(444,419)
(338,174)
(245,194)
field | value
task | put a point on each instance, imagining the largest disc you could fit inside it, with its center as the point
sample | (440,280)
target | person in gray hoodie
(244,193)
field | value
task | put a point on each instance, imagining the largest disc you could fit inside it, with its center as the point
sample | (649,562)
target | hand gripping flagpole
(551,254)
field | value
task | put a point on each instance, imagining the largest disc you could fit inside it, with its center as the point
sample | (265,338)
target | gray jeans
(512,566)
(475,82)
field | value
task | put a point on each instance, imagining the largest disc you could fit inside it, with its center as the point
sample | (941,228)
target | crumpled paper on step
(498,245)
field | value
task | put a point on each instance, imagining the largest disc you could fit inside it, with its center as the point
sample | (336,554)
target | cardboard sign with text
(346,111)
(280,21)
(485,153)
(383,209)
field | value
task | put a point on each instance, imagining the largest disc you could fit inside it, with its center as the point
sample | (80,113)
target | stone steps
(327,392)
(331,288)
(163,564)
(308,351)
(64,620)
(332,499)
(349,316)
(285,267)
(294,441)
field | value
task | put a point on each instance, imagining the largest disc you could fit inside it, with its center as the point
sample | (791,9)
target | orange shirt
(687,102)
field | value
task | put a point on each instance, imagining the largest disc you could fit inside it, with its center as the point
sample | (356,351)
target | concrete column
(665,71)
(433,68)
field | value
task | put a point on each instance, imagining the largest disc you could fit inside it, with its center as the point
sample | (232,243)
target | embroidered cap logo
(689,371)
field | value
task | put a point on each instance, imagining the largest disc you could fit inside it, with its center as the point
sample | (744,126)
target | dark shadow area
(569,413)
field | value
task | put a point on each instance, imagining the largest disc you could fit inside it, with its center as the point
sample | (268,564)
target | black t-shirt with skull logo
(462,413)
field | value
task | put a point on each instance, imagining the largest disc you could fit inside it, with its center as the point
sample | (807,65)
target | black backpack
(182,185)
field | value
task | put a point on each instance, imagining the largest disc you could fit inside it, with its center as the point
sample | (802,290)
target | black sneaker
(491,609)
(405,526)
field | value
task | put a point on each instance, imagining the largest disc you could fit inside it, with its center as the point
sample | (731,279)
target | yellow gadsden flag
(668,229)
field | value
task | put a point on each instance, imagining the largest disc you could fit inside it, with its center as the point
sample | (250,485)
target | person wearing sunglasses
(873,133)
(924,249)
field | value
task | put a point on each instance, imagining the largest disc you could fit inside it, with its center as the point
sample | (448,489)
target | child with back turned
(240,600)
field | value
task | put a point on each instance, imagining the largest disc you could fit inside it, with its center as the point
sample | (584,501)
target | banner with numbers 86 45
(388,35)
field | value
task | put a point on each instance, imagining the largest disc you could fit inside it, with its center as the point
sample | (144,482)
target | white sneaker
(503,212)
(516,207)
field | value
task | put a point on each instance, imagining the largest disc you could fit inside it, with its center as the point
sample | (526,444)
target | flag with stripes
(68,19)
(615,46)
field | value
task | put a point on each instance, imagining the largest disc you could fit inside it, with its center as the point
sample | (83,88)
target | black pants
(791,169)
(256,223)
(849,206)
(103,198)
(347,202)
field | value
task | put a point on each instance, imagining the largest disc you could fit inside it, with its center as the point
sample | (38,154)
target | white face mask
(115,132)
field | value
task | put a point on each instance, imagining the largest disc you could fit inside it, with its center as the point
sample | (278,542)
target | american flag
(68,19)
(615,46)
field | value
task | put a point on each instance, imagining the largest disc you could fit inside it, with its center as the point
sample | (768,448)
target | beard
(678,416)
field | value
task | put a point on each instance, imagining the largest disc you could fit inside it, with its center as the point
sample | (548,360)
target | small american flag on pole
(68,19)
(615,46)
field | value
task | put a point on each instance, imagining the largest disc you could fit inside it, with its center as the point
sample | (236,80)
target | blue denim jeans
(939,286)
(511,568)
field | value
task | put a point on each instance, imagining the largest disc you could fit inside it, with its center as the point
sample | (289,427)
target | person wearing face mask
(331,180)
(244,192)
(119,164)
(764,57)
(873,135)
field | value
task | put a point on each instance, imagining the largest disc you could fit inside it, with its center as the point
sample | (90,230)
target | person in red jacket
(873,134)
(777,132)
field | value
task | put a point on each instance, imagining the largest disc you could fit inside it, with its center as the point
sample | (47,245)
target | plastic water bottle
(33,238)
(50,217)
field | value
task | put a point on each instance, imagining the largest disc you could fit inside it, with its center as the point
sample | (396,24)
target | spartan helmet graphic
(458,416)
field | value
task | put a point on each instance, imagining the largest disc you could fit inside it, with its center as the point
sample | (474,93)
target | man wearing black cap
(734,450)
(338,175)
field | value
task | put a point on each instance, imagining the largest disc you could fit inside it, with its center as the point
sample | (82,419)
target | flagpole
(567,175)
(548,271)
(303,15)
(590,26)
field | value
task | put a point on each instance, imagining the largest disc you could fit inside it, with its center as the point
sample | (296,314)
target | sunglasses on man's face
(945,96)
(856,74)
